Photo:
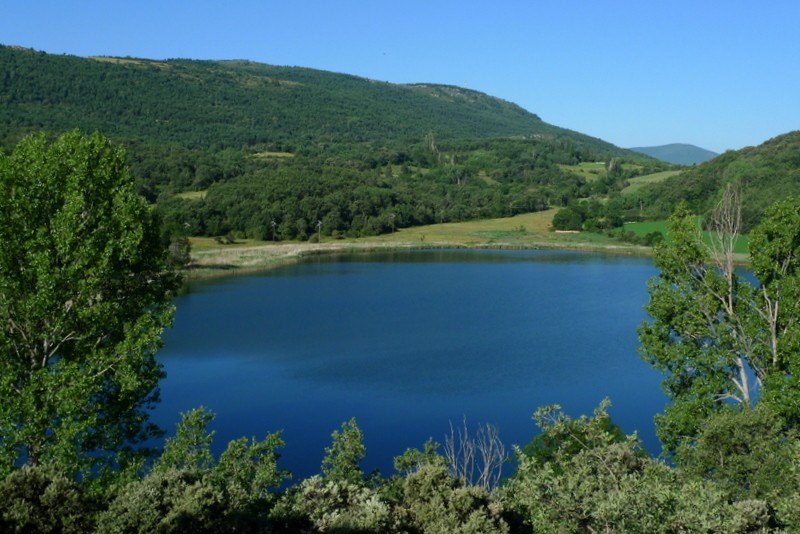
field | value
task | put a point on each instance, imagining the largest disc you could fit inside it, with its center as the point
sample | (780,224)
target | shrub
(42,499)
(434,501)
(175,500)
(322,505)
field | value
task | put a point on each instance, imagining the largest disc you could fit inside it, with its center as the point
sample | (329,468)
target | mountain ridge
(677,153)
(240,102)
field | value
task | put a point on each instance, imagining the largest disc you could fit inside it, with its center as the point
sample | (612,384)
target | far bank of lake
(408,342)
(528,231)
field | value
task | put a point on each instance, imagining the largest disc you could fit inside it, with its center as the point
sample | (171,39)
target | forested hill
(764,174)
(240,103)
(287,153)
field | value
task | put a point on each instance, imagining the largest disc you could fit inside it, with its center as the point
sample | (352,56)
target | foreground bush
(42,499)
(593,482)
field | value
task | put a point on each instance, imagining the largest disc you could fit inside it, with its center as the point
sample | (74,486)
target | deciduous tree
(343,458)
(722,342)
(85,288)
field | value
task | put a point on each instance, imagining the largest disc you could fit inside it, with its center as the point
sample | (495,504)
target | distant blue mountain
(677,153)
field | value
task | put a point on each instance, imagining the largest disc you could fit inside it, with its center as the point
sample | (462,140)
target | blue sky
(721,75)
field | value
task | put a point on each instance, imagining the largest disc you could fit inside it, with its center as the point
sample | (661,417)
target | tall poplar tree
(723,342)
(85,289)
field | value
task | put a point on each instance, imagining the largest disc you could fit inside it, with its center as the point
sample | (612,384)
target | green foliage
(589,215)
(190,447)
(719,340)
(765,175)
(363,158)
(568,219)
(413,459)
(169,501)
(248,471)
(746,453)
(188,490)
(42,499)
(564,436)
(245,468)
(596,483)
(426,499)
(434,501)
(775,260)
(236,103)
(342,459)
(322,505)
(84,296)
(180,251)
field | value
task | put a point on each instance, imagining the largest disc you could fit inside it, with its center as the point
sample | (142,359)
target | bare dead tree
(724,228)
(460,452)
(478,460)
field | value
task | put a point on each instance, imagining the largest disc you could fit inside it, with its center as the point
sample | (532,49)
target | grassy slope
(635,184)
(644,228)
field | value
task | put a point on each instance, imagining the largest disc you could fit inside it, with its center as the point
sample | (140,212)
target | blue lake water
(408,342)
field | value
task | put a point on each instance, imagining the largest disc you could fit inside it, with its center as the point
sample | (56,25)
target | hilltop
(677,153)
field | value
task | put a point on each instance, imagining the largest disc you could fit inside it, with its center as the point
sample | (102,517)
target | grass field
(591,171)
(644,228)
(594,170)
(272,155)
(641,181)
(192,195)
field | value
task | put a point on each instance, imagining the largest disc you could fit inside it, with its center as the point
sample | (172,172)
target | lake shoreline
(230,260)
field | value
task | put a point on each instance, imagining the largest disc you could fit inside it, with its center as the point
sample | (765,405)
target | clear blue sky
(721,75)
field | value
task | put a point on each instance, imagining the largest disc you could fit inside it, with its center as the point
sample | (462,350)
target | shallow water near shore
(408,342)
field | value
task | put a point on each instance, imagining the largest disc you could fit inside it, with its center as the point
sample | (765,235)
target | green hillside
(764,174)
(290,153)
(235,103)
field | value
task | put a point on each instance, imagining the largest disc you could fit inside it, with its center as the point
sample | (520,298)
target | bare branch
(477,461)
(725,227)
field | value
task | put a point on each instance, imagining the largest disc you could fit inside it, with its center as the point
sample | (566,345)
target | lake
(408,342)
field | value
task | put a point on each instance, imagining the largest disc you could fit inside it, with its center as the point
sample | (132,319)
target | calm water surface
(408,342)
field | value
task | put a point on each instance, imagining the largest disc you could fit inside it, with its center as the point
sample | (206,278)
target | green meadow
(644,228)
(635,184)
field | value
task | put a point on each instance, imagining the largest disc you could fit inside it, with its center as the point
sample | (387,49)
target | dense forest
(277,153)
(202,104)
